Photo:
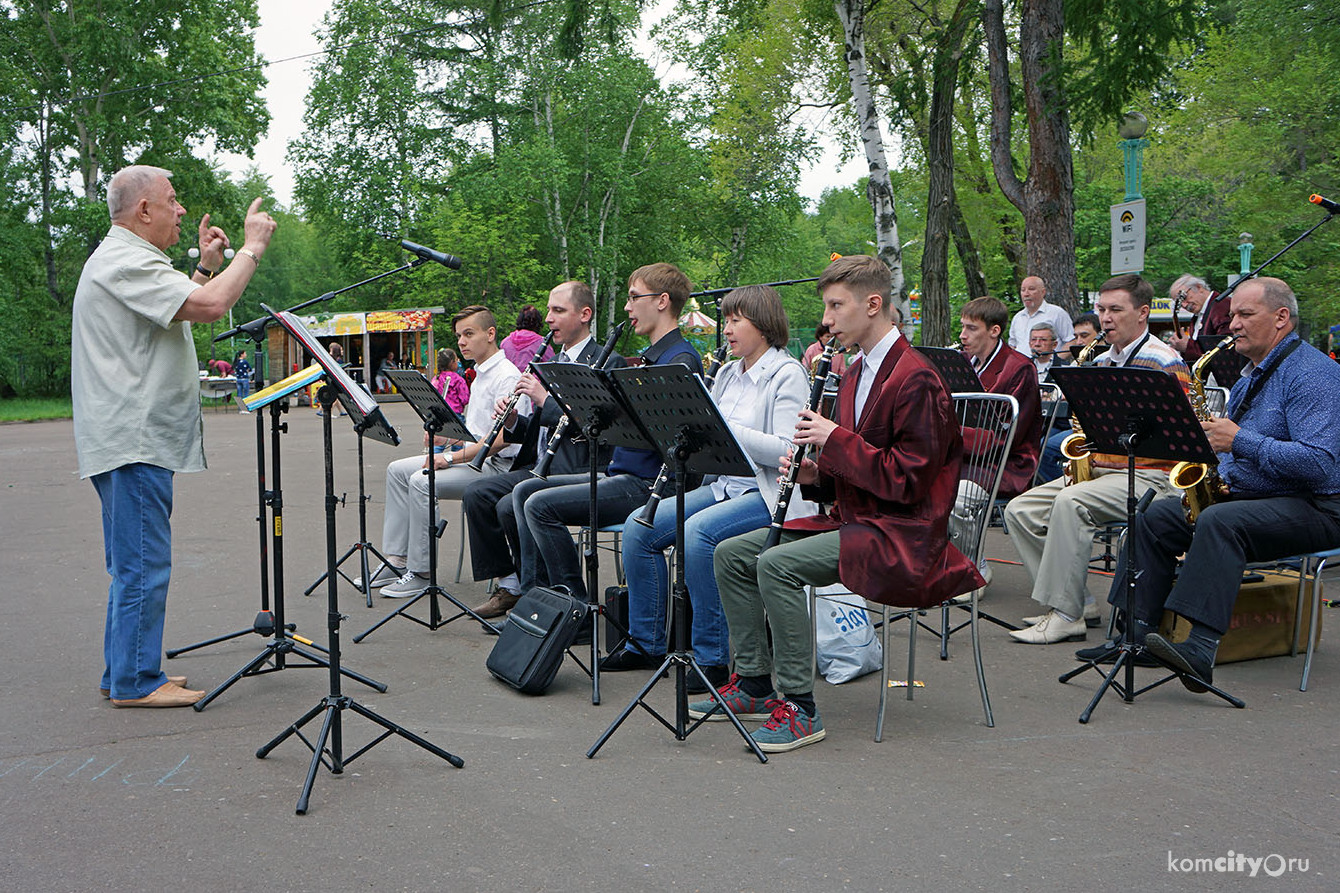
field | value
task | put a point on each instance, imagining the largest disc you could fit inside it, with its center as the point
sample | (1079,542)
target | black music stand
(438,418)
(328,747)
(678,414)
(958,375)
(1227,365)
(283,642)
(587,398)
(1125,410)
(374,426)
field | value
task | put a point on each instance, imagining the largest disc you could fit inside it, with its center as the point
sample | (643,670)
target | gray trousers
(758,592)
(405,523)
(1052,527)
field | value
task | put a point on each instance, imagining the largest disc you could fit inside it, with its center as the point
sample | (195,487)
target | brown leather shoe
(175,680)
(166,695)
(502,601)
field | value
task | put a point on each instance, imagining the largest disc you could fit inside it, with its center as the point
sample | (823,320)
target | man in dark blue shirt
(656,296)
(1279,455)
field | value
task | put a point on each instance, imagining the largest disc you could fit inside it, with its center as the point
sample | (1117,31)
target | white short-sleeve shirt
(134,376)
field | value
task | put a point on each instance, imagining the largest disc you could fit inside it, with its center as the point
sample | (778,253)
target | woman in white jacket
(760,396)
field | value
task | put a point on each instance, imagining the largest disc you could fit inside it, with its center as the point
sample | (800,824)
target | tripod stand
(363,546)
(283,643)
(1122,410)
(438,418)
(328,746)
(698,432)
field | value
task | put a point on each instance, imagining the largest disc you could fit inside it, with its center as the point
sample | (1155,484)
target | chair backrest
(1052,399)
(989,423)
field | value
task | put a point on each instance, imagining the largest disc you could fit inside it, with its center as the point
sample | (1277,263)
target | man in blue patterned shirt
(1279,455)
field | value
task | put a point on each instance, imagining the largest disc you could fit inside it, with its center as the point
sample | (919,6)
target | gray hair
(128,185)
(1277,294)
(1188,282)
(1048,327)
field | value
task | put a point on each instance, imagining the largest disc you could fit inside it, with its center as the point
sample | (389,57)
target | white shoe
(385,576)
(1050,629)
(1093,618)
(409,585)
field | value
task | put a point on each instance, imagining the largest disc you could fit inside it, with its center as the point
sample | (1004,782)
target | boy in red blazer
(889,468)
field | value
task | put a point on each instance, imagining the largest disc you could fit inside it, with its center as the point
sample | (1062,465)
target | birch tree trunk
(880,189)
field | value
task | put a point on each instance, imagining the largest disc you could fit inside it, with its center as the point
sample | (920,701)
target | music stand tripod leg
(328,747)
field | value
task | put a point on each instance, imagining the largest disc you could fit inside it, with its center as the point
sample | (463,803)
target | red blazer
(893,480)
(1218,314)
(1010,372)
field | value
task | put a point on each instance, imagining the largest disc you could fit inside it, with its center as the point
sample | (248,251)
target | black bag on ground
(530,647)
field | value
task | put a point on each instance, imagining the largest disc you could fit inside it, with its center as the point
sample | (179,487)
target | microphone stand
(716,294)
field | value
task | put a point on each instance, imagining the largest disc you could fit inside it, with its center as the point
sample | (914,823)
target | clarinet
(801,452)
(477,463)
(541,469)
(644,517)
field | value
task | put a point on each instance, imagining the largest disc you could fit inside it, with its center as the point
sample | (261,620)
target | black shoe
(1192,666)
(629,659)
(583,636)
(1107,652)
(718,676)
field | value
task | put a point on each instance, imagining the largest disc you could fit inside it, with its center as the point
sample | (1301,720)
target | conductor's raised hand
(259,228)
(212,242)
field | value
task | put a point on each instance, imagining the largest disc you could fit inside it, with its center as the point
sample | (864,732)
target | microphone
(447,260)
(1333,207)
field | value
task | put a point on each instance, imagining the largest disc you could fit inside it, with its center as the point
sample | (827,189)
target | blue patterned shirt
(1289,440)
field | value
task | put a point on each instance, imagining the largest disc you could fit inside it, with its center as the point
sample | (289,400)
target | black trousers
(491,522)
(1226,537)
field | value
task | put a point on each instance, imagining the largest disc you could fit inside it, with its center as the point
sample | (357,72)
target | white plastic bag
(848,647)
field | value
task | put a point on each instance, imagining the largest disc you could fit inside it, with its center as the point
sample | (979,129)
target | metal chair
(1216,400)
(992,420)
(1307,564)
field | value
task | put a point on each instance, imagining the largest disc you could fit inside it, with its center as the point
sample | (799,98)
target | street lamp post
(1133,128)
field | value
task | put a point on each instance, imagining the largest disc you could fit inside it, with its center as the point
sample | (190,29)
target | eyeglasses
(650,294)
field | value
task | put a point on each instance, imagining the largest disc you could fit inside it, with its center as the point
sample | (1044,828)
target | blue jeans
(1052,462)
(546,543)
(243,387)
(137,538)
(707,522)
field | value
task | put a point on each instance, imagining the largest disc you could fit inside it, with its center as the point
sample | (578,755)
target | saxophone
(1075,448)
(1199,482)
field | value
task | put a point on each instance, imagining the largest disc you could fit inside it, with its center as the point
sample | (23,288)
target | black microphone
(1333,207)
(447,260)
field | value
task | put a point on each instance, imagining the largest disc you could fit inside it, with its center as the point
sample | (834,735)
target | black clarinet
(821,369)
(541,469)
(644,517)
(477,463)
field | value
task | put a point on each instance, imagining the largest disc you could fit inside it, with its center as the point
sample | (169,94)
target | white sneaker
(1050,629)
(385,576)
(411,584)
(1093,618)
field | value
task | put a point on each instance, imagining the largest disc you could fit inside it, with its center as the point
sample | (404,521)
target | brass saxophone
(1199,482)
(1075,448)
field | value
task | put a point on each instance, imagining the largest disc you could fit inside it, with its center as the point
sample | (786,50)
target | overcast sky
(286,31)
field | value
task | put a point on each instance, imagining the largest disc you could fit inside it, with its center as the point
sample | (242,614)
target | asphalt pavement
(1175,791)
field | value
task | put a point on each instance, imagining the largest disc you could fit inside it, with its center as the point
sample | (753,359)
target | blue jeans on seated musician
(707,523)
(137,539)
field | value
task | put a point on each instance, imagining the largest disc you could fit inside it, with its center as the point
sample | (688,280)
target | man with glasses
(1212,315)
(546,509)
